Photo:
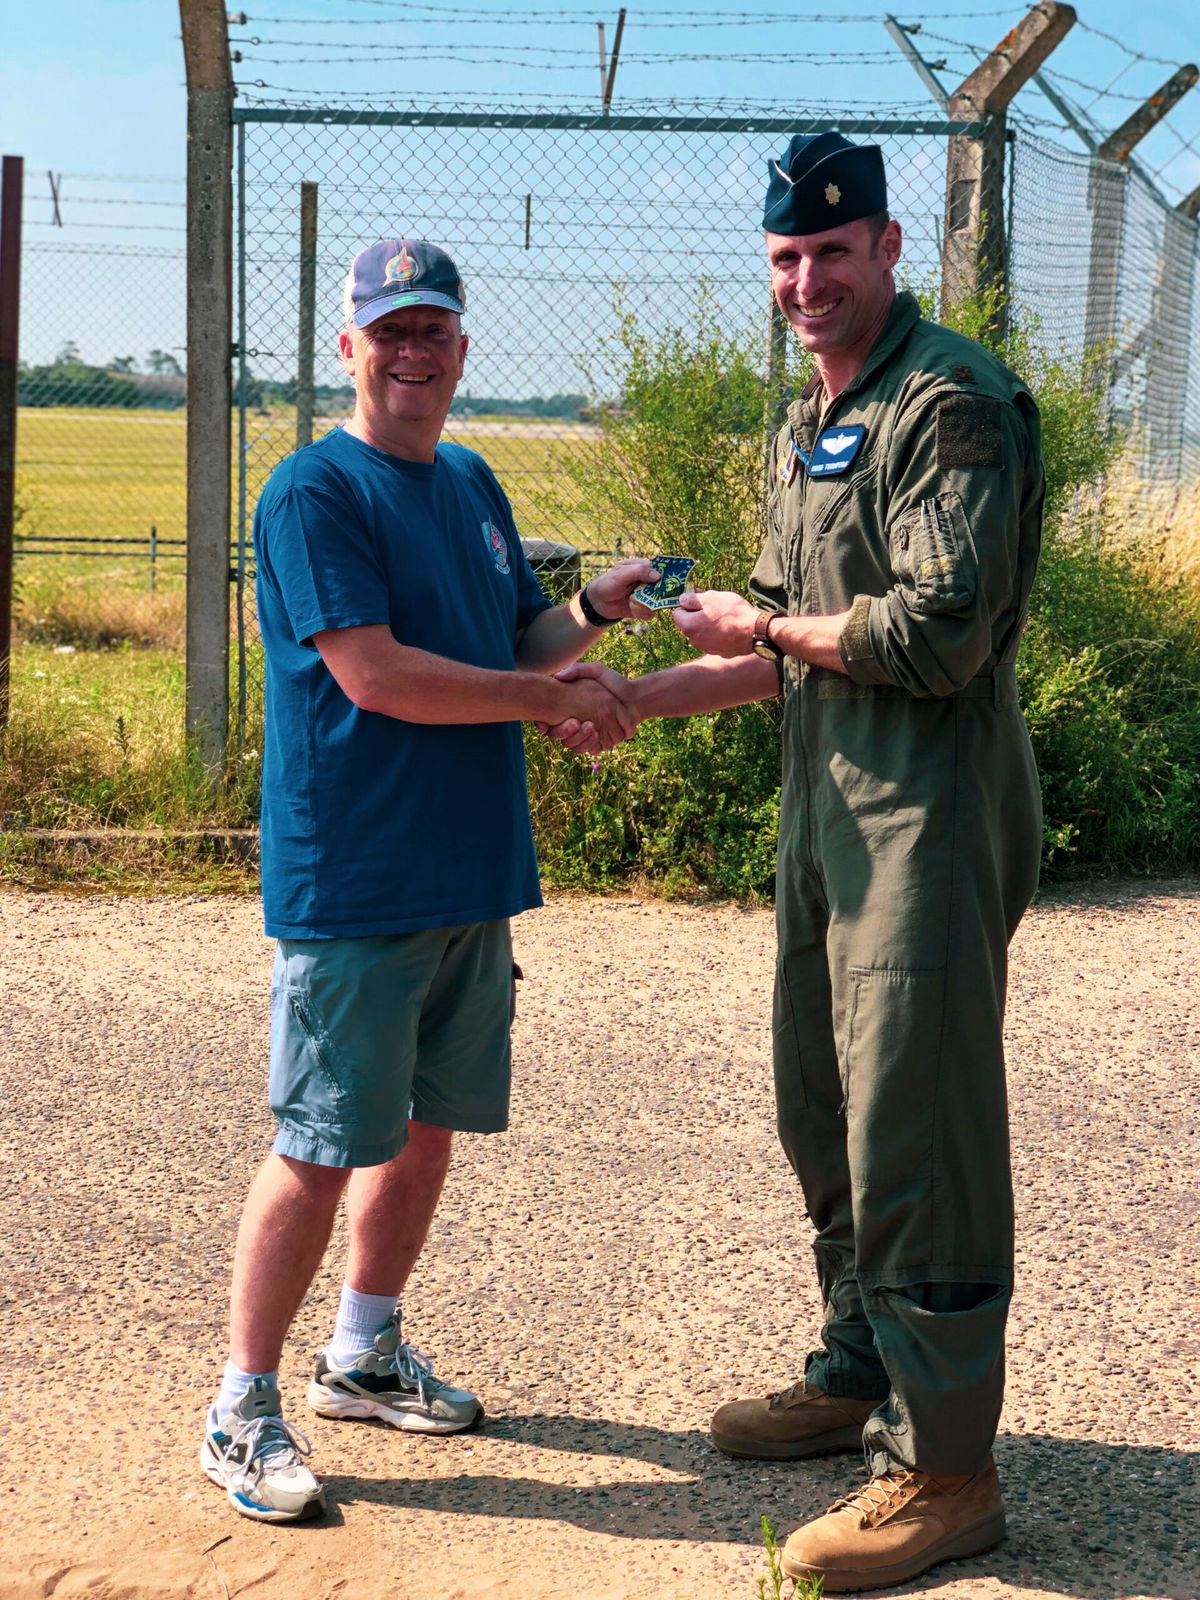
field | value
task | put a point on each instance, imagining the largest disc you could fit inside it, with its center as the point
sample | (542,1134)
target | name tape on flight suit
(835,449)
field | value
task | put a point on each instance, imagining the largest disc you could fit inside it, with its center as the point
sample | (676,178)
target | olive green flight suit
(909,845)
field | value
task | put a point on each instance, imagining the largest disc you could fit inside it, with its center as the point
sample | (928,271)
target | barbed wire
(117,200)
(117,177)
(579,59)
(817,111)
(1138,55)
(139,227)
(589,18)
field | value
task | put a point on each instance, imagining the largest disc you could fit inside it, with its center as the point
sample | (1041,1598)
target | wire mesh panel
(1103,259)
(562,226)
(102,392)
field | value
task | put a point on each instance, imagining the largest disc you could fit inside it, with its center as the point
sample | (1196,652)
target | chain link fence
(1102,260)
(562,225)
(101,482)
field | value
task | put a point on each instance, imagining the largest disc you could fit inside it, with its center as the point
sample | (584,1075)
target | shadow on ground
(1141,1542)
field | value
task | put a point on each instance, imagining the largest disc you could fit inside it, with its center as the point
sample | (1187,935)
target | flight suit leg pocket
(946,1369)
(889,1053)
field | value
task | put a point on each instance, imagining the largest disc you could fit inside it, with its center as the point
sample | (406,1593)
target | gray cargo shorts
(366,1033)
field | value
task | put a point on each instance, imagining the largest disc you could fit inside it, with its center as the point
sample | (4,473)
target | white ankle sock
(234,1383)
(360,1317)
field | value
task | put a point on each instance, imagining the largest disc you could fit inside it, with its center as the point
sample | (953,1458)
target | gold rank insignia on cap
(832,193)
(400,268)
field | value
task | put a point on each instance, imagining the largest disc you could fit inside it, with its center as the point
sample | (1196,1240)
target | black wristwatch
(761,641)
(596,618)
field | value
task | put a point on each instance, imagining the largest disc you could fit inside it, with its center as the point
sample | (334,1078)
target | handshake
(602,708)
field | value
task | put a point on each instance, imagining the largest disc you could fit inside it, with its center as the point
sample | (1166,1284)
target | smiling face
(835,288)
(406,366)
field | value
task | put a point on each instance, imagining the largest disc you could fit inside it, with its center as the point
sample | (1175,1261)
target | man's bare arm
(378,673)
(562,635)
(710,683)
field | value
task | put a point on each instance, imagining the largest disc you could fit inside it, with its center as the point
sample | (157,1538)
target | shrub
(1109,671)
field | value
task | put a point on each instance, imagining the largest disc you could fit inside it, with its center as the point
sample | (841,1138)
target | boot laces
(788,1396)
(883,1494)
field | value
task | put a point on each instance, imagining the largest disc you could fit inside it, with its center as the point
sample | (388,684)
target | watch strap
(595,618)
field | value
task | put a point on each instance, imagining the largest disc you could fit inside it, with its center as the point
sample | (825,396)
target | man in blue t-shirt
(406,640)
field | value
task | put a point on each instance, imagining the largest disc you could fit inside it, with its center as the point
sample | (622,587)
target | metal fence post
(776,396)
(153,555)
(974,256)
(11,186)
(209,388)
(308,314)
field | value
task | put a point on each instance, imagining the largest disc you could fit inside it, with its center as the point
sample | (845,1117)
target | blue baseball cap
(401,272)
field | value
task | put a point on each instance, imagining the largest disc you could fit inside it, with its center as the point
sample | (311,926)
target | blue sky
(97,86)
(95,92)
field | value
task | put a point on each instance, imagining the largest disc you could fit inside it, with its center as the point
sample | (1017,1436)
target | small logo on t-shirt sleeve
(497,545)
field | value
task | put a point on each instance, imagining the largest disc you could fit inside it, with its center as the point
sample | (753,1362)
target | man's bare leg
(390,1208)
(285,1227)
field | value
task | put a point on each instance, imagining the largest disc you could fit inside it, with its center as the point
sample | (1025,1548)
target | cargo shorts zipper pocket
(300,1005)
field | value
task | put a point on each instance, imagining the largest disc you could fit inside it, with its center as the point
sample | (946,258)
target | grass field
(114,474)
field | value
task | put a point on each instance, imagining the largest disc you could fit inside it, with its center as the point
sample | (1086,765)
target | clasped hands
(605,709)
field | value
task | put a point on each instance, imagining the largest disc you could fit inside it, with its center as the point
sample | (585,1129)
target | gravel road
(630,1254)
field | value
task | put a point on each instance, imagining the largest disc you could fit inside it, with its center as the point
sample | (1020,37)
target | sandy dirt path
(630,1254)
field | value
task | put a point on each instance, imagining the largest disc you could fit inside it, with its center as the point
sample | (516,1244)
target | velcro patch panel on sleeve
(969,432)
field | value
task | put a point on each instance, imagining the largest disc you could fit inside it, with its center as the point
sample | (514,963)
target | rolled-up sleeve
(953,532)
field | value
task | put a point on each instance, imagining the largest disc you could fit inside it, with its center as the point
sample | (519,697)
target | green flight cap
(821,181)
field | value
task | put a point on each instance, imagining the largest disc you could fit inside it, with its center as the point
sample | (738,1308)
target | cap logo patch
(832,193)
(400,268)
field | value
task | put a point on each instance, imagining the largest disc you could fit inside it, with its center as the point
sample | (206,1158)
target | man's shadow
(1085,1519)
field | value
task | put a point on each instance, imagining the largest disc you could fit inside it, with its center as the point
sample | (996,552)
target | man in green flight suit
(904,520)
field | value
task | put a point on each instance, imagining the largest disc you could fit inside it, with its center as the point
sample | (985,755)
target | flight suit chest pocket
(932,554)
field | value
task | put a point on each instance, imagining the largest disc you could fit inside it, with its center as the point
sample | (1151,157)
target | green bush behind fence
(1109,671)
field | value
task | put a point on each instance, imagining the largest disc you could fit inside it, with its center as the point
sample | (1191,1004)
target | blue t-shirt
(371,825)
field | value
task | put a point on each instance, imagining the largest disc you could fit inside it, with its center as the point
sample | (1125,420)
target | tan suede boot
(896,1527)
(797,1422)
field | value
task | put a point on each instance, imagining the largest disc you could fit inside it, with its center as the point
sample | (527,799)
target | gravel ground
(632,1253)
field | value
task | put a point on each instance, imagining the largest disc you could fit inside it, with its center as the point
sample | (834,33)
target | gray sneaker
(258,1459)
(392,1382)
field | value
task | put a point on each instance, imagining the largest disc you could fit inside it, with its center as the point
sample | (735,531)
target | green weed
(774,1584)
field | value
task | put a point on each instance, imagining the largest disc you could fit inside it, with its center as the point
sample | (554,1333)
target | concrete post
(308,314)
(974,249)
(209,374)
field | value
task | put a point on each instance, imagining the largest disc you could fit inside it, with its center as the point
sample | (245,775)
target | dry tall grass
(1157,523)
(98,612)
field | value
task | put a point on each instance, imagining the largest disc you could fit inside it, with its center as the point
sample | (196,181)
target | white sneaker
(392,1382)
(258,1459)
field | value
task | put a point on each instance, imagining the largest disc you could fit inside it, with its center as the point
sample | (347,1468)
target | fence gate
(555,222)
